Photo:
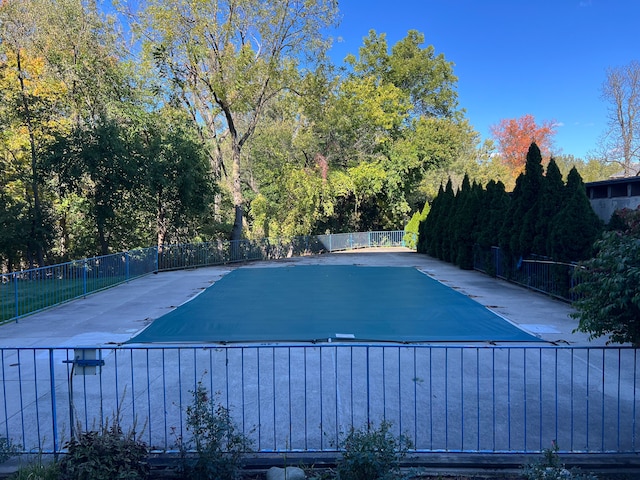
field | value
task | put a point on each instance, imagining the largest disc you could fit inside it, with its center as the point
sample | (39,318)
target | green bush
(411,229)
(216,447)
(38,470)
(550,468)
(7,449)
(372,454)
(105,455)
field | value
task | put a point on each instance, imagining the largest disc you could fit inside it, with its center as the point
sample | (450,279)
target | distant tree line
(542,216)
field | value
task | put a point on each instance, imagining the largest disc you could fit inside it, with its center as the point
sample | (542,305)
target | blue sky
(513,57)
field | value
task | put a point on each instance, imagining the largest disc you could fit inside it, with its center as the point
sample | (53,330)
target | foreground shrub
(550,468)
(609,300)
(372,454)
(38,469)
(7,449)
(104,455)
(216,447)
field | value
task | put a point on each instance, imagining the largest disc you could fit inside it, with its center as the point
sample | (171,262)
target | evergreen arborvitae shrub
(551,204)
(498,204)
(465,223)
(531,201)
(426,231)
(575,227)
(443,227)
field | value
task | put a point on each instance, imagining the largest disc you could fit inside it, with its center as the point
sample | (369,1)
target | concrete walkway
(116,315)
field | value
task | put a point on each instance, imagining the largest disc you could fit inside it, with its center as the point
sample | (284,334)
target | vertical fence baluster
(446,399)
(35,384)
(54,411)
(588,394)
(16,297)
(462,398)
(164,397)
(509,397)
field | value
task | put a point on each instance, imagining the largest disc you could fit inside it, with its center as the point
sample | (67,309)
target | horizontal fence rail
(29,291)
(553,278)
(289,398)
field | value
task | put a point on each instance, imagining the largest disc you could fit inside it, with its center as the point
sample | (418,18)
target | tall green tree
(576,227)
(531,202)
(550,204)
(28,107)
(444,227)
(426,230)
(225,61)
(519,229)
(464,224)
(99,164)
(177,176)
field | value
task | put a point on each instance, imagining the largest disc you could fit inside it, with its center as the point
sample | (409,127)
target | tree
(609,300)
(551,203)
(227,60)
(444,228)
(575,227)
(177,176)
(495,205)
(513,137)
(591,170)
(468,203)
(426,230)
(27,108)
(519,228)
(396,108)
(620,143)
(99,164)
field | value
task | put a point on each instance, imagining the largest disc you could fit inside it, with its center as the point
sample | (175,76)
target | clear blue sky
(513,57)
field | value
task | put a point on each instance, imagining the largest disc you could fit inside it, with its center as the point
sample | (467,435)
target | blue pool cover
(317,303)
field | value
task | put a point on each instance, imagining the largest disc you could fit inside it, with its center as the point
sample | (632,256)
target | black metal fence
(553,278)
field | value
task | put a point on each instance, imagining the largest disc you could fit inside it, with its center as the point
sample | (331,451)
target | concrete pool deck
(115,315)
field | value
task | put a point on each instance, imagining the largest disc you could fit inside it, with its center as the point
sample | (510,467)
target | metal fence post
(330,249)
(15,294)
(84,277)
(126,266)
(54,413)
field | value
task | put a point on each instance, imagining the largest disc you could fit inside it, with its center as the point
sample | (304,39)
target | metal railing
(293,398)
(29,291)
(543,275)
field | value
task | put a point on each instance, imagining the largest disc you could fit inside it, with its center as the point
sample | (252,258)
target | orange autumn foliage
(514,136)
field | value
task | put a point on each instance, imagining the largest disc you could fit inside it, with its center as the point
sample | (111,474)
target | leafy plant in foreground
(38,469)
(216,446)
(7,449)
(372,454)
(105,454)
(550,468)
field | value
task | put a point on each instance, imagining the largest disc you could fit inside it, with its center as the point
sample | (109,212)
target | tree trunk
(102,239)
(36,216)
(236,231)
(161,222)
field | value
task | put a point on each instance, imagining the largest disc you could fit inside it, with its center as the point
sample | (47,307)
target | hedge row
(542,216)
